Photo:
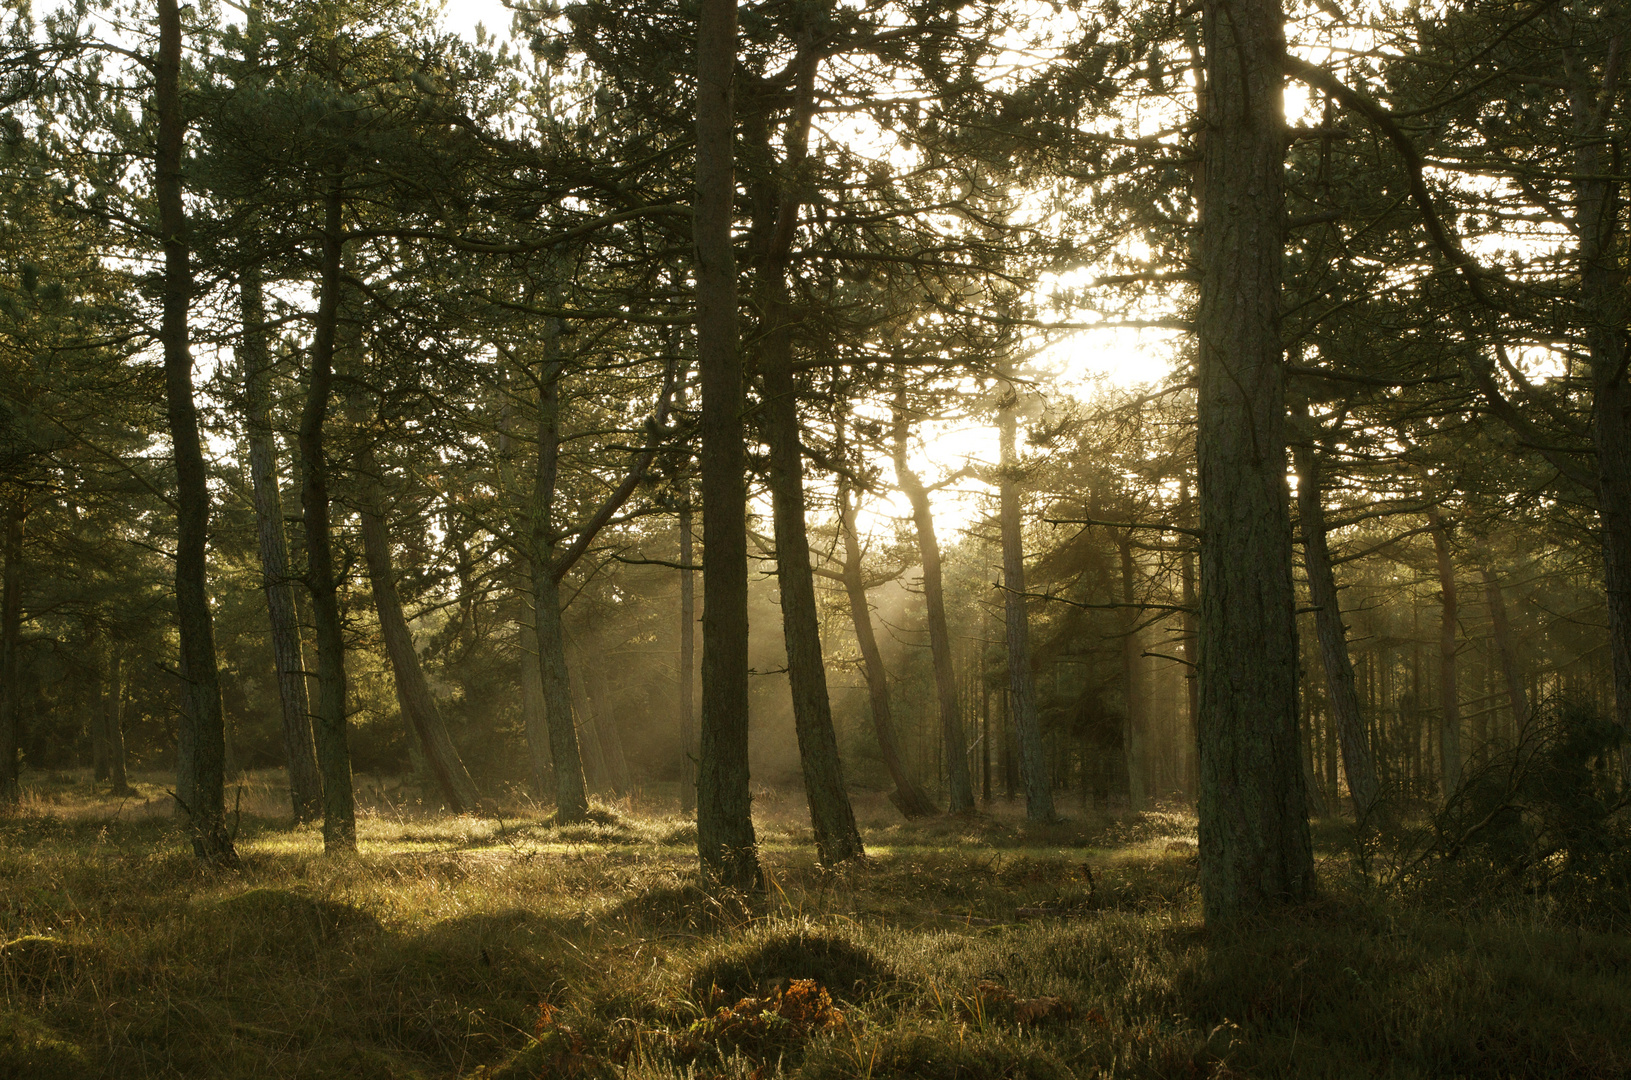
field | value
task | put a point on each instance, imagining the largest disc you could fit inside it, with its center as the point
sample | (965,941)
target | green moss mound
(29,1048)
(684,906)
(847,969)
(285,921)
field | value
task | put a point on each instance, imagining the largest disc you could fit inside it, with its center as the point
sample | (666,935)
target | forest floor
(505,947)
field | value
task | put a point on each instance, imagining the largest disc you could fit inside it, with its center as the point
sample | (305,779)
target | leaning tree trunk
(305,782)
(113,725)
(1033,762)
(1254,843)
(1132,657)
(333,754)
(1448,693)
(832,819)
(726,843)
(909,798)
(11,626)
(412,690)
(688,659)
(958,782)
(1341,692)
(206,785)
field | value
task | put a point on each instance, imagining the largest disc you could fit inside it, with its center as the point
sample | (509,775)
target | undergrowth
(507,947)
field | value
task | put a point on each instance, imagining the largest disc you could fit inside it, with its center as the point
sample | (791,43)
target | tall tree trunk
(1254,843)
(571,796)
(1343,696)
(1515,695)
(688,659)
(1603,313)
(832,819)
(954,743)
(113,724)
(1134,735)
(305,782)
(11,626)
(1033,764)
(910,799)
(726,843)
(333,754)
(412,691)
(1448,693)
(206,785)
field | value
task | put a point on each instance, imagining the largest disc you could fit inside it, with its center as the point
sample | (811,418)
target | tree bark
(1254,842)
(413,694)
(832,818)
(910,799)
(206,784)
(11,626)
(688,660)
(1033,765)
(1448,693)
(726,843)
(959,785)
(1341,692)
(1132,662)
(305,782)
(333,753)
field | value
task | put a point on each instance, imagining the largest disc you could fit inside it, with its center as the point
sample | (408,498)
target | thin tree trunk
(571,795)
(412,691)
(599,693)
(113,724)
(99,736)
(1449,694)
(1254,843)
(1134,735)
(1334,659)
(305,782)
(1516,697)
(726,843)
(206,784)
(333,753)
(1033,764)
(953,742)
(688,659)
(11,626)
(910,799)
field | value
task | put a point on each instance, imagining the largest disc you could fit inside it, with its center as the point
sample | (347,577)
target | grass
(506,947)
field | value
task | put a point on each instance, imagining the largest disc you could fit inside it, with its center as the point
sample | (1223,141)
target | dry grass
(507,947)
